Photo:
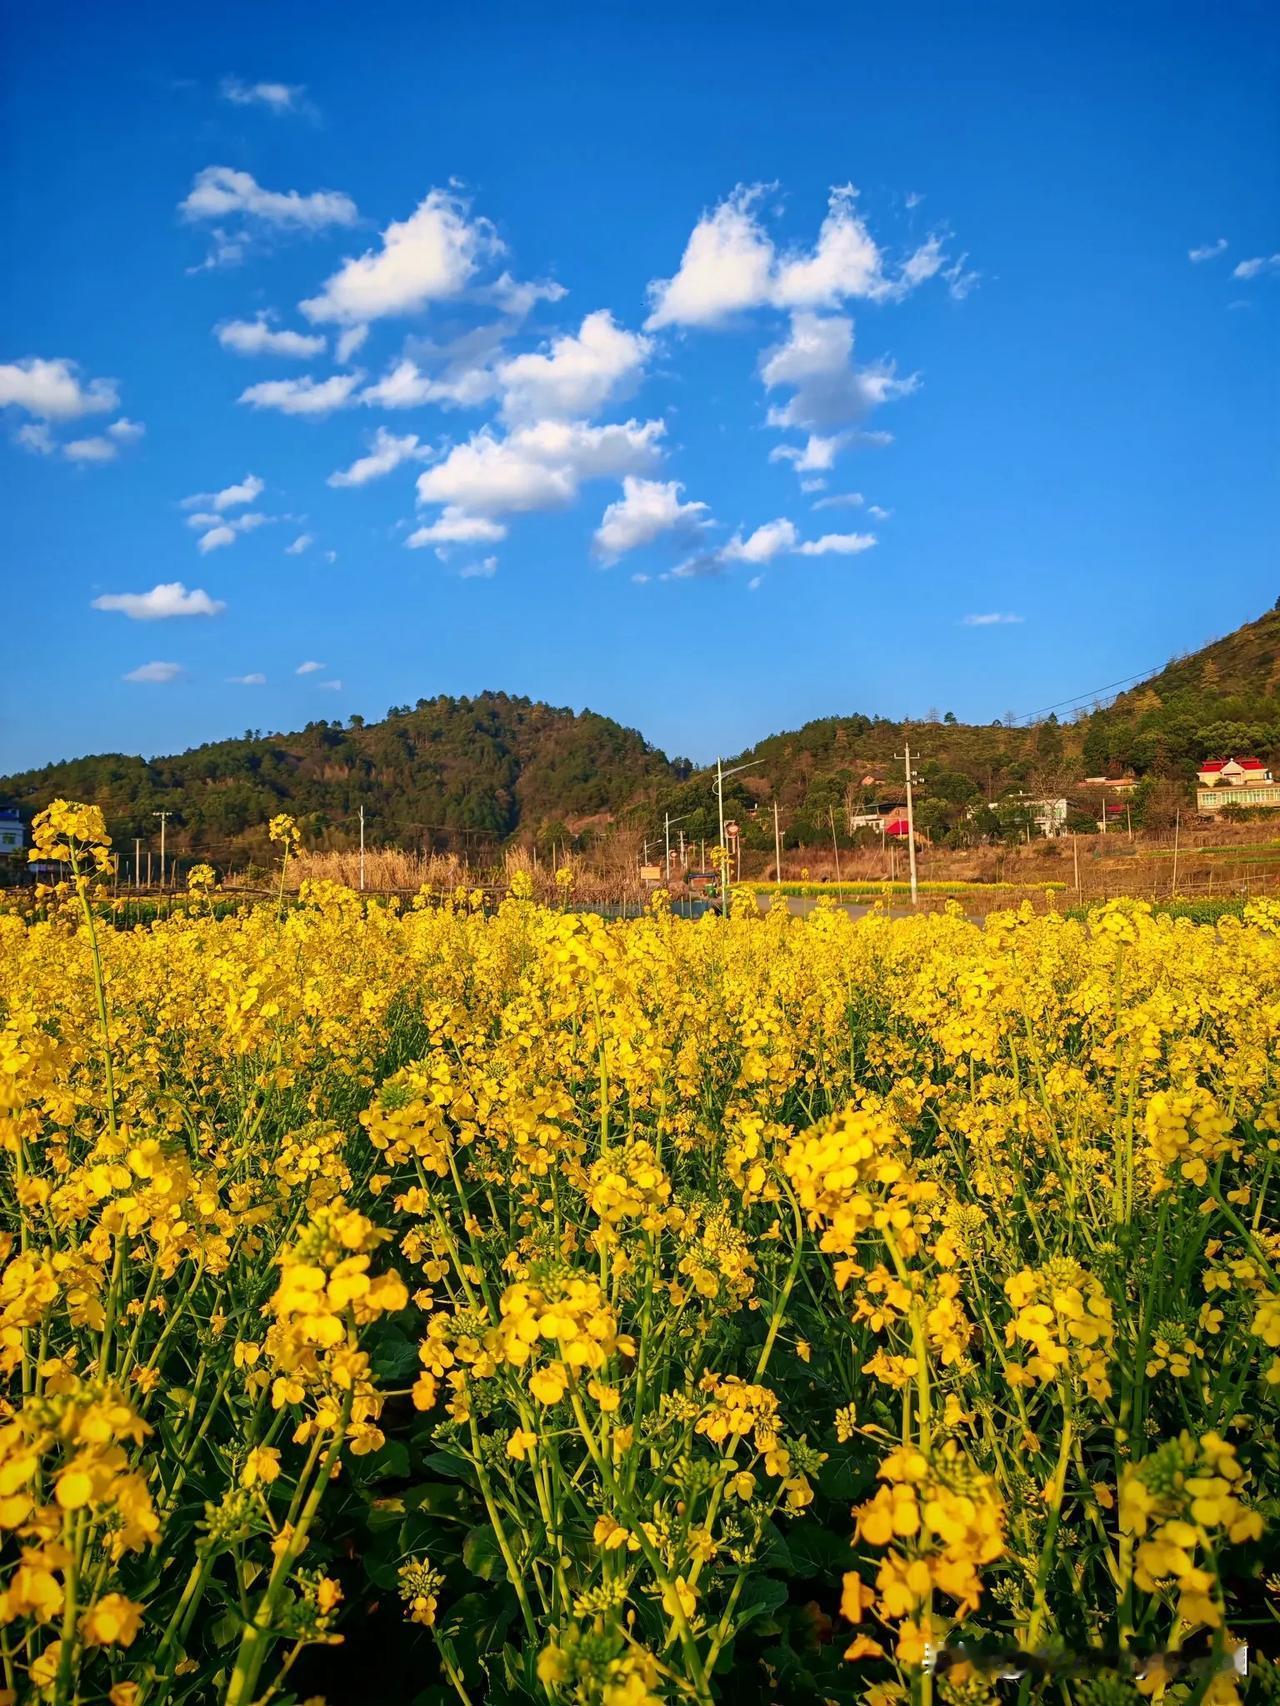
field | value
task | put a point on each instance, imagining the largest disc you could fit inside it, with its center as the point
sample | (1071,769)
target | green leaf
(482,1554)
(447,1463)
(759,1599)
(390,1462)
(225,1631)
(846,1477)
(815,1551)
(441,1498)
(393,1357)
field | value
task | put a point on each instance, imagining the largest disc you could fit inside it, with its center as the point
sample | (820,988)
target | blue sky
(711,367)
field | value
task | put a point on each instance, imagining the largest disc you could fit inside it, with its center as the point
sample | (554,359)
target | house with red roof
(1235,782)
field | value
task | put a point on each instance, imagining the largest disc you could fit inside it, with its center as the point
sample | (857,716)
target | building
(1115,784)
(1233,773)
(1243,782)
(1049,817)
(13,832)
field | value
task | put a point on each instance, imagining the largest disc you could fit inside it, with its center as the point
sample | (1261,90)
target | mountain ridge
(471,771)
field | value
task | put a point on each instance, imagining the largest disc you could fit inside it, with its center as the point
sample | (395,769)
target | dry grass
(1212,859)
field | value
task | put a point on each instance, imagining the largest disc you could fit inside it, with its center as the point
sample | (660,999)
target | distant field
(861,890)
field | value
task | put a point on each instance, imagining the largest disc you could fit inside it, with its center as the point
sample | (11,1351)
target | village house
(13,831)
(1235,782)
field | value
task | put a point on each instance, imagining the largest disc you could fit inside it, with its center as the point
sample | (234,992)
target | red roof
(897,826)
(1251,764)
(1214,764)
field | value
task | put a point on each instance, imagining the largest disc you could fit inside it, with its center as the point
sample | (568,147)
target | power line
(1093,693)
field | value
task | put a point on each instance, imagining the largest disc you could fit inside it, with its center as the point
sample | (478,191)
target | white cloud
(846,262)
(537,467)
(428,257)
(52,391)
(646,510)
(302,543)
(455,527)
(35,436)
(302,396)
(104,447)
(98,449)
(755,583)
(406,386)
(483,570)
(331,556)
(458,374)
(922,265)
(247,680)
(310,667)
(990,620)
(228,250)
(580,373)
(839,544)
(764,544)
(774,539)
(276,97)
(329,686)
(878,514)
(230,497)
(961,279)
(519,299)
(731,264)
(170,598)
(350,341)
(386,453)
(221,192)
(218,529)
(841,500)
(816,363)
(640,580)
(1207,251)
(726,268)
(159,673)
(818,454)
(1257,266)
(698,567)
(258,337)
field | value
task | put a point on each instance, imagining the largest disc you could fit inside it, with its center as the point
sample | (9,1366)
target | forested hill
(1220,701)
(448,772)
(466,773)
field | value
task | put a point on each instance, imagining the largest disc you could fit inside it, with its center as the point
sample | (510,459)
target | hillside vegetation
(449,772)
(1221,700)
(470,773)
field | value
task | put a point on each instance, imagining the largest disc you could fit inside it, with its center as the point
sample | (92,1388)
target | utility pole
(721,773)
(164,817)
(724,852)
(1177,825)
(667,821)
(835,845)
(777,846)
(905,756)
(1075,861)
(137,861)
(362,849)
